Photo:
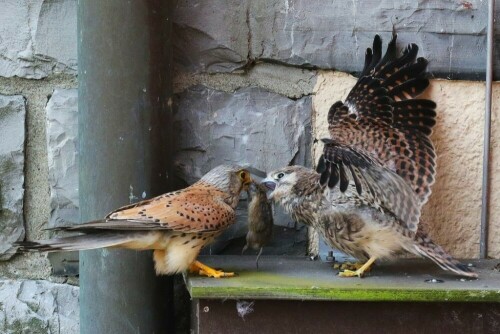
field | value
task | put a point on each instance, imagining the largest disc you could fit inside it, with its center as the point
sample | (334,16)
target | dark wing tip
(321,166)
(464,267)
(344,181)
(31,246)
(391,47)
(333,176)
(324,178)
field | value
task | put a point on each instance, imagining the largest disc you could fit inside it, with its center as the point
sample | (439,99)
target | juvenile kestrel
(176,225)
(383,160)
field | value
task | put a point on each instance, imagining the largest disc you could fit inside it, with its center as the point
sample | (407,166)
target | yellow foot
(359,272)
(352,273)
(348,266)
(204,270)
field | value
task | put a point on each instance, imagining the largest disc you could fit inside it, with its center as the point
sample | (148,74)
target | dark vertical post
(124,88)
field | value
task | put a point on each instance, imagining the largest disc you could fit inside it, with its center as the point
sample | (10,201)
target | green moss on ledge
(299,278)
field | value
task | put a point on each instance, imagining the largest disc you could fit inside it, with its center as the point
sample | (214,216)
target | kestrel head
(228,178)
(291,180)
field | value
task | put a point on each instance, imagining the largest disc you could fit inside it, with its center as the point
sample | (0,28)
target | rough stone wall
(38,38)
(38,306)
(223,36)
(37,66)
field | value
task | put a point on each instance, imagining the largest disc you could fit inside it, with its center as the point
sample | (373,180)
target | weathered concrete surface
(211,36)
(333,34)
(37,38)
(38,307)
(219,36)
(12,130)
(251,126)
(62,147)
(284,80)
(454,209)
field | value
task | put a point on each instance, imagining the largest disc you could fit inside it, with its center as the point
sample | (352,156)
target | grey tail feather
(427,248)
(78,242)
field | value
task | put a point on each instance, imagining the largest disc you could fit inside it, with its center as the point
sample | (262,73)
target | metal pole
(124,65)
(483,244)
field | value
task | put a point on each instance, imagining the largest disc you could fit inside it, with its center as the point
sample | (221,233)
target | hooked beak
(269,184)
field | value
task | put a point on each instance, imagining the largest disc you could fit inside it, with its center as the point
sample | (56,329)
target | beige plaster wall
(453,212)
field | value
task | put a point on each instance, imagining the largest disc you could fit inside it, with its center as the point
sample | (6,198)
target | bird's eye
(243,175)
(280,175)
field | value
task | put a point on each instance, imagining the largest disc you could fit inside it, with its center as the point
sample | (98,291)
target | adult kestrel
(176,225)
(381,156)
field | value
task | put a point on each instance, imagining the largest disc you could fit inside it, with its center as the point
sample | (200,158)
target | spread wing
(198,208)
(384,122)
(375,184)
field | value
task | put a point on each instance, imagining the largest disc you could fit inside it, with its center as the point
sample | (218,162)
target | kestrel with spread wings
(377,167)
(176,225)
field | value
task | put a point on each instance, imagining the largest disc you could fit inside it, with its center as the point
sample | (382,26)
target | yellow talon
(360,272)
(348,266)
(204,270)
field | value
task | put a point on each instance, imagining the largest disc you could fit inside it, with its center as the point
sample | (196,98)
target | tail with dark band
(427,248)
(80,242)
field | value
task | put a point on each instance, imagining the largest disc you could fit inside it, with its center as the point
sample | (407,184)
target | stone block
(210,35)
(12,132)
(37,38)
(248,127)
(38,307)
(62,148)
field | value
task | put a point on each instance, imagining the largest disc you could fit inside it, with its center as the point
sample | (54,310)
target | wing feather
(375,184)
(198,208)
(383,118)
(380,135)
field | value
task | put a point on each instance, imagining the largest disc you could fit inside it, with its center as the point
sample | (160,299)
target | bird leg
(257,259)
(359,272)
(204,270)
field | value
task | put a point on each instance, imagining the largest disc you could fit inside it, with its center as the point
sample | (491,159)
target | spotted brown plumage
(377,167)
(175,225)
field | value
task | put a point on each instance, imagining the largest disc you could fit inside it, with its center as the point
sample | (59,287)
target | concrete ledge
(291,278)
